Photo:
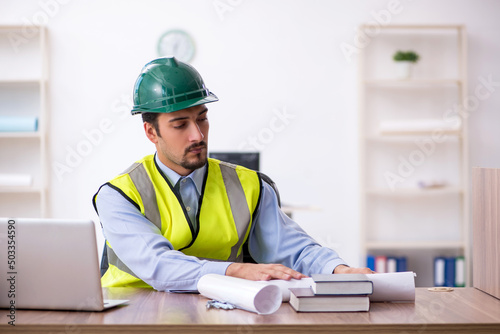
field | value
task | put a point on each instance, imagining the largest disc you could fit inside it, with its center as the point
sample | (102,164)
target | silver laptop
(50,264)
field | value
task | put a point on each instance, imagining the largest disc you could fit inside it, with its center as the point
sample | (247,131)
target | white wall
(261,57)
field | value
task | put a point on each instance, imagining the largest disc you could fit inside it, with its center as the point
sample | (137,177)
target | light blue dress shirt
(274,238)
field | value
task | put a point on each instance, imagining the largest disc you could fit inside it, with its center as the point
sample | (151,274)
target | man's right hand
(262,272)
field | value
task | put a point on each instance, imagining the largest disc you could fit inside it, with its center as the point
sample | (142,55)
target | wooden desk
(464,310)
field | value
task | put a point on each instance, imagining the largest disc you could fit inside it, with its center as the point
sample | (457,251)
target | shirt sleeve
(275,238)
(140,245)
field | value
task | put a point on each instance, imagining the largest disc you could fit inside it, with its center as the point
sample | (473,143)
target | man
(177,215)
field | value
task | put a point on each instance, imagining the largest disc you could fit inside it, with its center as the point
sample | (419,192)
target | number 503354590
(11,244)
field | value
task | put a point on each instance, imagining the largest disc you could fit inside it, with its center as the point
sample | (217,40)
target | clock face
(176,43)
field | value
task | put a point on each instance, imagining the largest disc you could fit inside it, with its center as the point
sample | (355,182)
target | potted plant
(405,60)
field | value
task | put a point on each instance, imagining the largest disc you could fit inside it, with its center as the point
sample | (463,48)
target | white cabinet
(413,147)
(23,121)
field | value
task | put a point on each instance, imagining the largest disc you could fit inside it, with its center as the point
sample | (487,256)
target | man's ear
(150,131)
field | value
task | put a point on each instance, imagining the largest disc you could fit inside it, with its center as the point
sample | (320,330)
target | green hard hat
(166,85)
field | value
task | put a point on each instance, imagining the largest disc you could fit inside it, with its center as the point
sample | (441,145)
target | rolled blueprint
(248,295)
(285,285)
(393,287)
(18,123)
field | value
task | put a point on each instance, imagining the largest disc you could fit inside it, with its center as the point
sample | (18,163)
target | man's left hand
(342,269)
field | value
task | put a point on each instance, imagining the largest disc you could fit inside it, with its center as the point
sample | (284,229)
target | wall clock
(176,43)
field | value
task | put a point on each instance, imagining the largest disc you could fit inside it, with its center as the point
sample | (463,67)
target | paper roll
(393,287)
(248,295)
(18,123)
(285,285)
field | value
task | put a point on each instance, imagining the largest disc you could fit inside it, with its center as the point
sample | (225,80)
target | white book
(341,284)
(304,300)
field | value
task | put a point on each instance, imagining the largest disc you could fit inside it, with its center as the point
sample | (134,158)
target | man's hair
(152,118)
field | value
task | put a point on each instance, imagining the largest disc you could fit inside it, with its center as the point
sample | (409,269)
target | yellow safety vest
(229,198)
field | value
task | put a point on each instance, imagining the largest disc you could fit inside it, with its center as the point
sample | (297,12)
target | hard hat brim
(175,107)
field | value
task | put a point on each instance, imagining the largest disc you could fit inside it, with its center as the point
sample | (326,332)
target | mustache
(201,144)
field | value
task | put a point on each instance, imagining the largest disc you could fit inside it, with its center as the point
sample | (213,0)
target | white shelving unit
(413,147)
(23,85)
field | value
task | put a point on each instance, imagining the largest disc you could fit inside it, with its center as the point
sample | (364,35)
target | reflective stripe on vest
(239,207)
(145,187)
(114,260)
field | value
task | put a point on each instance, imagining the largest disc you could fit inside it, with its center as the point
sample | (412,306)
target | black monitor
(249,160)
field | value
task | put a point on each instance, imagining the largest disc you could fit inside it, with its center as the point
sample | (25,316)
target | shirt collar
(196,176)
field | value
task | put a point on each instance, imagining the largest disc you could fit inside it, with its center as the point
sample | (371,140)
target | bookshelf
(414,195)
(23,121)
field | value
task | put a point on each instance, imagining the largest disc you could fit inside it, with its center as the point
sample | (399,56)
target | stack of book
(333,293)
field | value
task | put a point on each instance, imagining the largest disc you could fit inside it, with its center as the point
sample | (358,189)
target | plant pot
(404,69)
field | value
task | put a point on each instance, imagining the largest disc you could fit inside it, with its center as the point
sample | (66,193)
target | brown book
(304,300)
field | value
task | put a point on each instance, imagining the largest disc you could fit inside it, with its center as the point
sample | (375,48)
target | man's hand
(341,269)
(262,272)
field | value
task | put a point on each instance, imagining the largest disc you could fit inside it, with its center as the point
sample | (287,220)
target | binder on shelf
(439,271)
(449,275)
(401,264)
(370,262)
(392,264)
(460,271)
(381,264)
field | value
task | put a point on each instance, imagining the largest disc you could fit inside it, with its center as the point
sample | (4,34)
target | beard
(198,161)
